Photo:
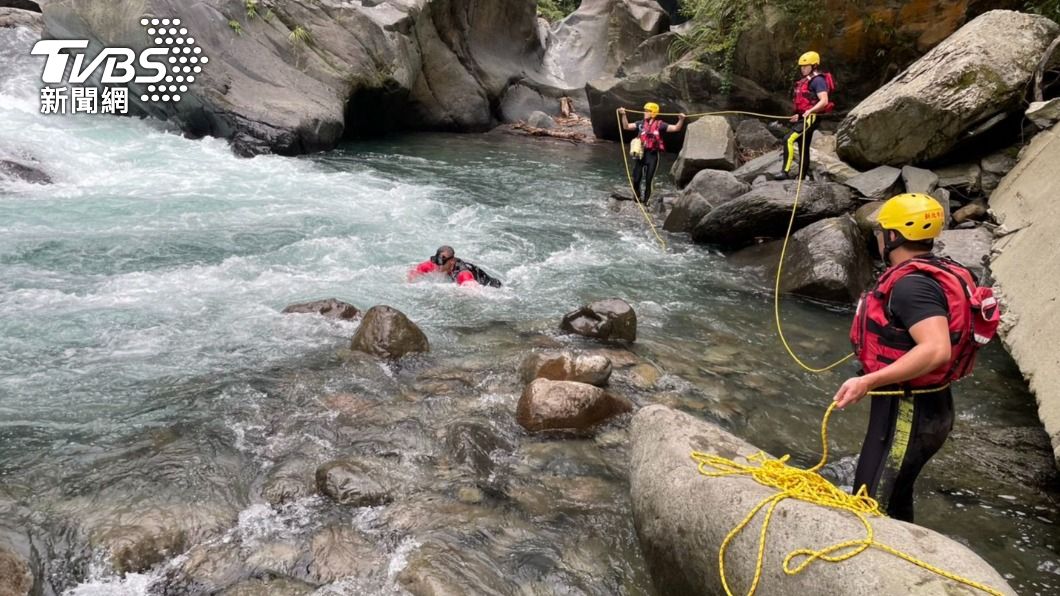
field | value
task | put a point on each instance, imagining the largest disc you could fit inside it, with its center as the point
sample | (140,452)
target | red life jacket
(651,135)
(973,320)
(805,99)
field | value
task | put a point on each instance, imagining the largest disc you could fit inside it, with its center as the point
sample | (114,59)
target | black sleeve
(916,297)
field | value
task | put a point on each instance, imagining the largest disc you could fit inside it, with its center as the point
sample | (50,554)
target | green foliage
(716,27)
(1047,8)
(236,26)
(300,35)
(556,10)
(252,8)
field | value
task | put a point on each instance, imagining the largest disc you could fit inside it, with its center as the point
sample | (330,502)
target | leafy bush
(1048,8)
(556,10)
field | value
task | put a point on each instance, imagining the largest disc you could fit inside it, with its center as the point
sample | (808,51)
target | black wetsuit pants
(904,432)
(644,170)
(798,142)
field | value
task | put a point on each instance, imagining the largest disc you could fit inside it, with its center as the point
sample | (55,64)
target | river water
(148,379)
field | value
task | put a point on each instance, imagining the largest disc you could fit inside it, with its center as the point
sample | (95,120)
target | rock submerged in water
(22,172)
(16,578)
(980,71)
(356,481)
(593,369)
(386,332)
(825,260)
(608,320)
(566,405)
(332,308)
(682,517)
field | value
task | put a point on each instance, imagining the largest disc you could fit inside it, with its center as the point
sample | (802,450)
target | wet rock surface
(16,579)
(608,320)
(332,308)
(593,369)
(356,481)
(23,172)
(387,332)
(16,16)
(565,405)
(706,190)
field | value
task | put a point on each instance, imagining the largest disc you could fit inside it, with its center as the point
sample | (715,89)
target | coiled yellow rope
(811,487)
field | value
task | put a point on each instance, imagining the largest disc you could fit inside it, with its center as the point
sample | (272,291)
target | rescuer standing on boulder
(811,98)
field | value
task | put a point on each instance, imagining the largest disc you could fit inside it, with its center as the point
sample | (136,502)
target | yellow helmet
(651,107)
(913,215)
(810,59)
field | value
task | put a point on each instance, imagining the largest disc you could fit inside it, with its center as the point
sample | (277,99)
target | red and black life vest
(651,135)
(805,99)
(973,320)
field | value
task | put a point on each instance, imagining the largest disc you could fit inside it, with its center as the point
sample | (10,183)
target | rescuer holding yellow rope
(647,146)
(811,97)
(915,332)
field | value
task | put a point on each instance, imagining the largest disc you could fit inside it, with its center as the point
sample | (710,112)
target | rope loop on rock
(810,487)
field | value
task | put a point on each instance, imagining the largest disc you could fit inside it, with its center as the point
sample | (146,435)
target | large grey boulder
(599,37)
(687,86)
(752,135)
(608,320)
(769,165)
(977,73)
(919,180)
(593,369)
(709,143)
(682,517)
(826,260)
(388,333)
(825,160)
(651,57)
(877,184)
(764,211)
(970,248)
(866,217)
(966,177)
(540,120)
(566,405)
(707,189)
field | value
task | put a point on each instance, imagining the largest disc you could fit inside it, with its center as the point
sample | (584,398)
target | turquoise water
(145,362)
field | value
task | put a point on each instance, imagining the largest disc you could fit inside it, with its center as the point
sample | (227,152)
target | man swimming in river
(460,271)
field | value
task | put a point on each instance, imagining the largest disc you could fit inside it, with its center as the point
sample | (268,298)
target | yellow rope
(811,487)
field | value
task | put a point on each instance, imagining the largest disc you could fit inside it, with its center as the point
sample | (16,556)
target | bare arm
(677,127)
(822,101)
(932,337)
(625,123)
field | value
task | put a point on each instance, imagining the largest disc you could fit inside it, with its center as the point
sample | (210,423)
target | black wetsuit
(481,276)
(905,432)
(644,167)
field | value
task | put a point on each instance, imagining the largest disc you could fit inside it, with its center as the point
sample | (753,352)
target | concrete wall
(1026,265)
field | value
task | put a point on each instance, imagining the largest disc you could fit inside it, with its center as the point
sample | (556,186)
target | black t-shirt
(915,297)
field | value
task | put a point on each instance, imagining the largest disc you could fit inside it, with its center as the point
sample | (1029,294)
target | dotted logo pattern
(184,62)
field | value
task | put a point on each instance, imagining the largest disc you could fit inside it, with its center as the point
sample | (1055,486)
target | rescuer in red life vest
(915,332)
(462,272)
(647,146)
(810,98)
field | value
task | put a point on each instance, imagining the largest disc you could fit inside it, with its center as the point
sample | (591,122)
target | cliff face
(1027,265)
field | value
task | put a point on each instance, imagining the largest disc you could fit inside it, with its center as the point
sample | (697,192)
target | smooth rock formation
(752,135)
(770,165)
(970,248)
(541,120)
(332,308)
(289,481)
(826,260)
(866,217)
(566,405)
(608,320)
(877,184)
(966,177)
(472,445)
(707,189)
(1010,455)
(1044,114)
(682,516)
(919,180)
(823,159)
(977,73)
(356,481)
(651,57)
(386,332)
(764,211)
(709,143)
(593,369)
